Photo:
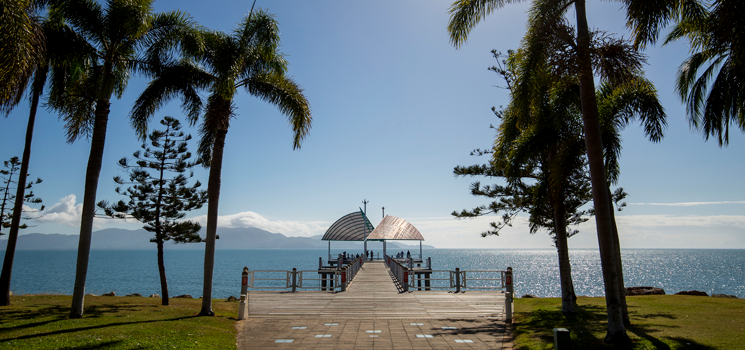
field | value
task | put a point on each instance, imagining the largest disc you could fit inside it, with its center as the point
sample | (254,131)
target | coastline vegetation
(42,322)
(657,322)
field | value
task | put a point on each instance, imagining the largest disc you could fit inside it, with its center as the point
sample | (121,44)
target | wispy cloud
(636,231)
(689,204)
(251,219)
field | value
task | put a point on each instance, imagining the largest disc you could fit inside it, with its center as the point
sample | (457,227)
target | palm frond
(466,14)
(181,80)
(22,50)
(287,95)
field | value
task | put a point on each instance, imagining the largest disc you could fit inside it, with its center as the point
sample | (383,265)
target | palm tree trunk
(15,222)
(619,266)
(565,268)
(162,271)
(616,332)
(89,206)
(213,197)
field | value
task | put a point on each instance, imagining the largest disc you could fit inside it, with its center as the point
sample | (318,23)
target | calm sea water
(536,271)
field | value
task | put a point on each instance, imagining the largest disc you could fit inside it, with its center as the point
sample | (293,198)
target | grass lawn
(658,322)
(40,322)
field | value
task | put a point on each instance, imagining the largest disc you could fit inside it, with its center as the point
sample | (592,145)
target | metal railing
(400,272)
(327,280)
(404,277)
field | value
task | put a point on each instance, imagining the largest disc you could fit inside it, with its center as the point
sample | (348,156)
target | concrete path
(372,314)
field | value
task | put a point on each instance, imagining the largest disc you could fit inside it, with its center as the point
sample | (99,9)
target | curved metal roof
(351,227)
(393,228)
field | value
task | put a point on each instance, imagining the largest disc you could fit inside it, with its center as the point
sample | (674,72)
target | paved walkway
(372,314)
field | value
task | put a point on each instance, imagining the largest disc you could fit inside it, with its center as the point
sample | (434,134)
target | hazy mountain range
(230,238)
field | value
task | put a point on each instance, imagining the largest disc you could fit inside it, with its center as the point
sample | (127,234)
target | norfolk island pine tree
(161,202)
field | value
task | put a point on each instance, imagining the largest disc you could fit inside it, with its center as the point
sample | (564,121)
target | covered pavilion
(396,229)
(354,226)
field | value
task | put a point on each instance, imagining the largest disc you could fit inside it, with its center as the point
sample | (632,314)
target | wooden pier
(373,313)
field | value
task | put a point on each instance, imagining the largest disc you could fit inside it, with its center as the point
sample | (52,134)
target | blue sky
(395,108)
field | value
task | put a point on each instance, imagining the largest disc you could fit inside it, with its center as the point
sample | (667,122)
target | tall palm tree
(22,51)
(542,133)
(465,14)
(112,38)
(52,52)
(249,58)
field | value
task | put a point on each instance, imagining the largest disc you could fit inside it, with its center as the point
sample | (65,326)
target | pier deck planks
(372,301)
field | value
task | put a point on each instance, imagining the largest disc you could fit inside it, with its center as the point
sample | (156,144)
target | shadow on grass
(105,345)
(541,322)
(79,329)
(677,342)
(49,313)
(54,313)
(588,322)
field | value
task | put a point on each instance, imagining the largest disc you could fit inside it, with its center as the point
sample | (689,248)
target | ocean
(536,270)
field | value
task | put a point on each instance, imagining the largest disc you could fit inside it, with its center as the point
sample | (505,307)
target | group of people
(368,254)
(401,254)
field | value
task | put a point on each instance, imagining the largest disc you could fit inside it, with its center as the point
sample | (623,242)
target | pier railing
(408,277)
(325,279)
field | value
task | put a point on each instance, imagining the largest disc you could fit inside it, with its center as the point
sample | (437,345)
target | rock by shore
(644,291)
(184,296)
(692,292)
(112,294)
(715,295)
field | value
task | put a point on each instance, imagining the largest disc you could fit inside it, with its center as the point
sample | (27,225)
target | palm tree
(248,59)
(714,95)
(465,14)
(544,16)
(51,50)
(22,51)
(111,38)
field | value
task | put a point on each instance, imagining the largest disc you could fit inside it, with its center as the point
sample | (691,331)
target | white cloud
(251,219)
(689,204)
(67,212)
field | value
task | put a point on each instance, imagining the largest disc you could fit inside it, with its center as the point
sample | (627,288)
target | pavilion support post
(329,251)
(420,249)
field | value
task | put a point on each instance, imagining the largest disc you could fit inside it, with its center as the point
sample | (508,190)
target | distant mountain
(230,238)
